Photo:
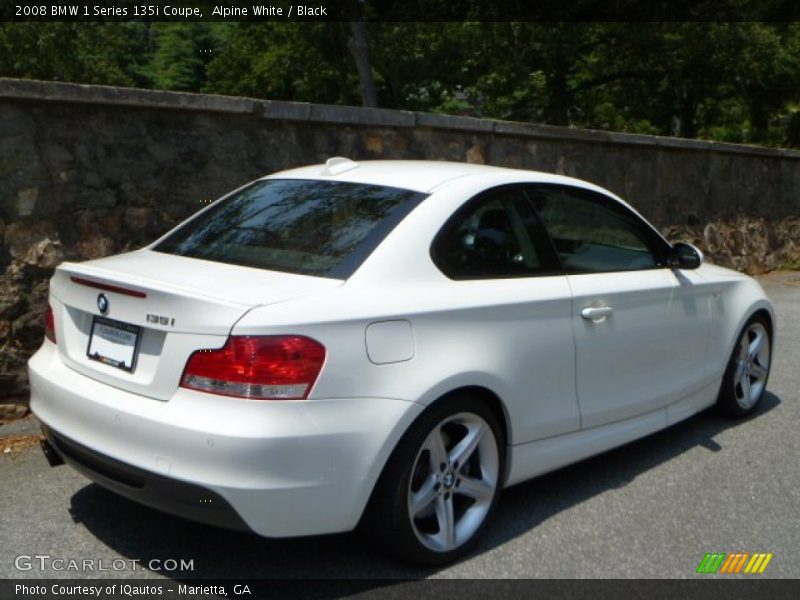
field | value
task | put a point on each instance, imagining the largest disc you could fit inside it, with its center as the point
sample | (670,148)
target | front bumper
(279,468)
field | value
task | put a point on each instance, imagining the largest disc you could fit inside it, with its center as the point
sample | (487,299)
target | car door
(514,318)
(641,328)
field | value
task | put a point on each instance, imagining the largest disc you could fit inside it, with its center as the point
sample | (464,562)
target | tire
(440,484)
(747,373)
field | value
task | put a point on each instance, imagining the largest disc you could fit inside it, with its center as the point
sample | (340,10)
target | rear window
(321,228)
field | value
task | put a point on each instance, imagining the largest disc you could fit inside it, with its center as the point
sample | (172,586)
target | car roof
(417,175)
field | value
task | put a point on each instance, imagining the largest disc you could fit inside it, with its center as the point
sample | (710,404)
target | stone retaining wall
(87,171)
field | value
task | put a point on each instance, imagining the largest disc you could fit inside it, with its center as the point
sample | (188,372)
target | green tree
(424,66)
(181,53)
(81,52)
(734,81)
(713,80)
(286,61)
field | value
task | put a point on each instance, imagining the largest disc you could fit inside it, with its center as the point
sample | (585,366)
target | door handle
(596,313)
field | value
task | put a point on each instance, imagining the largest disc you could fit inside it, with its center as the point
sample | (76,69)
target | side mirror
(686,256)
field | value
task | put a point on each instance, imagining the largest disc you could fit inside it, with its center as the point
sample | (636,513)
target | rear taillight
(257,367)
(50,325)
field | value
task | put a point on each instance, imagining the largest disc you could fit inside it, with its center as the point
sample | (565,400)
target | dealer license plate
(114,343)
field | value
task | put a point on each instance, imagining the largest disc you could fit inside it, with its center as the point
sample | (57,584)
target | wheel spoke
(423,498)
(446,519)
(463,450)
(737,374)
(744,350)
(475,488)
(435,446)
(755,346)
(746,389)
(757,371)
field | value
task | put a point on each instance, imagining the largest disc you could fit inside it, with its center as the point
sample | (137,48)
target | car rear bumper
(278,468)
(157,491)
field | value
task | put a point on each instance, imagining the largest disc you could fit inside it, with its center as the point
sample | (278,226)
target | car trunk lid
(177,304)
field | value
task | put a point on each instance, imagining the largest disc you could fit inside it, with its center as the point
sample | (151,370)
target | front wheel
(745,379)
(440,484)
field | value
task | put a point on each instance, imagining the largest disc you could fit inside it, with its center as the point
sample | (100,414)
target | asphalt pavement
(650,509)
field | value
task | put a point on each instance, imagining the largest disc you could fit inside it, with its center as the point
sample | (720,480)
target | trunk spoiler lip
(67,270)
(107,287)
(152,286)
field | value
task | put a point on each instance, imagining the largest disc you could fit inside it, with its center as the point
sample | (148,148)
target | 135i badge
(161,320)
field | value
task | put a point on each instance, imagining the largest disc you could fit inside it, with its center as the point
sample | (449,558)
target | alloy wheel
(453,482)
(752,365)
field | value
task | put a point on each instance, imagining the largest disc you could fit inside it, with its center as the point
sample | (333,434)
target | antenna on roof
(338,165)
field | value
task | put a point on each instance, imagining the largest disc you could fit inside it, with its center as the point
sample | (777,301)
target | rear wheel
(745,379)
(440,485)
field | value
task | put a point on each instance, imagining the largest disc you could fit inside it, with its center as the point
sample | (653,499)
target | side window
(497,237)
(592,234)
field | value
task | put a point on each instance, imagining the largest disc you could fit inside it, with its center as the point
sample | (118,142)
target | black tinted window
(594,234)
(495,237)
(320,228)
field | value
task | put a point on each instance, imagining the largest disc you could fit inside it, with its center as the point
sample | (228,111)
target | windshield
(310,227)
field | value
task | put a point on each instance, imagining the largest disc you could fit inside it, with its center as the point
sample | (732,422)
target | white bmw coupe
(386,345)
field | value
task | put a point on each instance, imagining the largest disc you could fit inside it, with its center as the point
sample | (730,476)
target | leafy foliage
(81,52)
(732,81)
(286,61)
(181,53)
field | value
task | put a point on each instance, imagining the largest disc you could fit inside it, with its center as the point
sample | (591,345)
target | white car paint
(654,352)
(399,335)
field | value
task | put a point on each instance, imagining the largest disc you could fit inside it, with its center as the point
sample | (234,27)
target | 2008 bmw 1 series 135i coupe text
(386,345)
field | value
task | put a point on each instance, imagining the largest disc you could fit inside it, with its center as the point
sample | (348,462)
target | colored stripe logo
(735,562)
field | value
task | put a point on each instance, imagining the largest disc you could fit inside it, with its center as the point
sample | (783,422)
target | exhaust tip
(53,457)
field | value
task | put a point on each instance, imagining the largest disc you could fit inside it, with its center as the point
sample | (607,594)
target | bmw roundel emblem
(102,303)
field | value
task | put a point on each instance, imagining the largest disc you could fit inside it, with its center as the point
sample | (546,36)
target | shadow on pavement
(137,532)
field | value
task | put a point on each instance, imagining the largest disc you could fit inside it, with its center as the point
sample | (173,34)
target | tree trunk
(688,116)
(558,101)
(759,121)
(359,47)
